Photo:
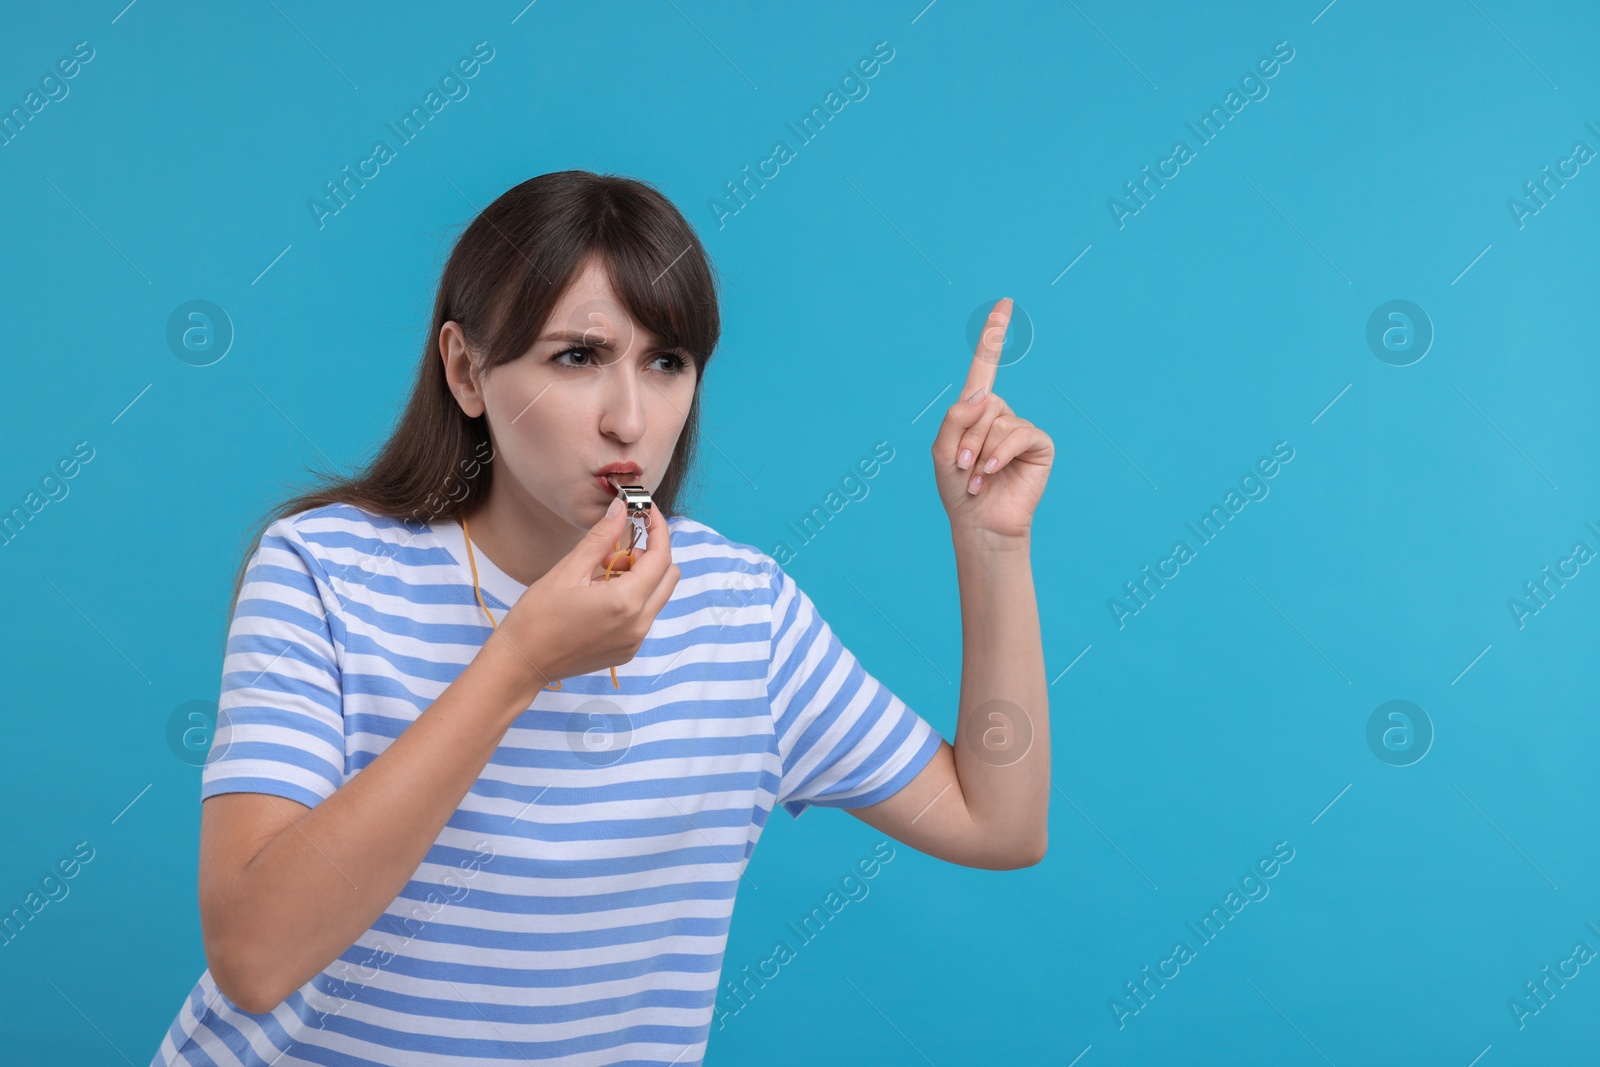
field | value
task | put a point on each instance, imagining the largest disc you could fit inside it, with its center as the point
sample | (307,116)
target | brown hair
(504,277)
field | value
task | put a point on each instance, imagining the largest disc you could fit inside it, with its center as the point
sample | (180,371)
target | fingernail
(614,507)
(976,483)
(977,397)
(992,464)
(965,459)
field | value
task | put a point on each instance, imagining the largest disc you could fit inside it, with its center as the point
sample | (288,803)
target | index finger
(987,358)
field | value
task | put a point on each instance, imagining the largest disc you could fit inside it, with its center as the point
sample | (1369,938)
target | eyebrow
(579,338)
(572,337)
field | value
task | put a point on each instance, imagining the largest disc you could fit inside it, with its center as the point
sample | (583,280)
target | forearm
(321,882)
(1004,776)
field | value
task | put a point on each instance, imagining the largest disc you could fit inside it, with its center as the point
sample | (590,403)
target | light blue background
(1223,318)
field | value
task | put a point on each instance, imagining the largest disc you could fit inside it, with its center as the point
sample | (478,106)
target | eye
(676,364)
(580,350)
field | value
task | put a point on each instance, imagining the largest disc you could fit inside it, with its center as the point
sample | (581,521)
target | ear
(457,357)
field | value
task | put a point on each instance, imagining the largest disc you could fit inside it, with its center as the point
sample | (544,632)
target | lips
(625,473)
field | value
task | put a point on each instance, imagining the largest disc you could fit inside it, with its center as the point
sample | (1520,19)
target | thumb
(600,543)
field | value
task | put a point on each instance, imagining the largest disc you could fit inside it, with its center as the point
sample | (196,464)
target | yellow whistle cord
(478,589)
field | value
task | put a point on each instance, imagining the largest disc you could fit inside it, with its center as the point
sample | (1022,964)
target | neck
(521,537)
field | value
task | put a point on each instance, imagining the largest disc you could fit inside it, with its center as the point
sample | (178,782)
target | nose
(622,400)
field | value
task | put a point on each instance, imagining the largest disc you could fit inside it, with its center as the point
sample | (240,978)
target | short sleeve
(845,740)
(280,718)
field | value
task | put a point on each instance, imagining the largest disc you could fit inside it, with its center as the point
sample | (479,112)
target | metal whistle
(636,499)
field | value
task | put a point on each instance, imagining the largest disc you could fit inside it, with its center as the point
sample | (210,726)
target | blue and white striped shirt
(575,908)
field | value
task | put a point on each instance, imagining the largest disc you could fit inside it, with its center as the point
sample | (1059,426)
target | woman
(436,828)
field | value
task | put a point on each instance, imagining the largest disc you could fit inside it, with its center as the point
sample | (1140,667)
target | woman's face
(595,389)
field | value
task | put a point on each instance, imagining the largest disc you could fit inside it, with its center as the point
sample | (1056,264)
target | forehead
(591,282)
(591,306)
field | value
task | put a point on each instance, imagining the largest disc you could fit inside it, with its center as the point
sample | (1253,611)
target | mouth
(608,478)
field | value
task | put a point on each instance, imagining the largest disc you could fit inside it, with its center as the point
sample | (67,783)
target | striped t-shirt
(575,908)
